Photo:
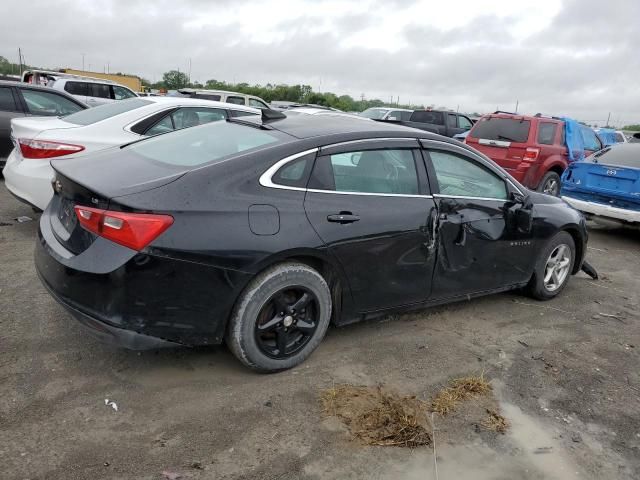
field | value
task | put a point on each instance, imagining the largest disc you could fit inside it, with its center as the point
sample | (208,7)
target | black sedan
(259,233)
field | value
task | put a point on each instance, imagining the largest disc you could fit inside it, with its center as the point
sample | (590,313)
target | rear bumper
(603,210)
(137,300)
(29,180)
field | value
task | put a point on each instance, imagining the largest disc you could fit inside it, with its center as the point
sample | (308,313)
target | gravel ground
(567,378)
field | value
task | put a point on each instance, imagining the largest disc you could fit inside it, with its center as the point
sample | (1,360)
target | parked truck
(437,121)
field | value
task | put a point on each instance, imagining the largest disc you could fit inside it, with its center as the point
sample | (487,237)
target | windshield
(102,112)
(374,113)
(505,129)
(207,143)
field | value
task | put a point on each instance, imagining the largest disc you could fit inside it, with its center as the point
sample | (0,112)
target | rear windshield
(374,113)
(626,155)
(102,112)
(505,129)
(207,143)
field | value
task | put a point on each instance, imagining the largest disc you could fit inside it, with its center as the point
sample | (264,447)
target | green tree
(633,128)
(174,79)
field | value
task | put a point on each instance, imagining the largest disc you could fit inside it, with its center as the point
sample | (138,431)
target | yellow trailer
(134,83)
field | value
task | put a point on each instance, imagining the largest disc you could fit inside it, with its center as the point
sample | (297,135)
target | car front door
(9,108)
(369,202)
(480,247)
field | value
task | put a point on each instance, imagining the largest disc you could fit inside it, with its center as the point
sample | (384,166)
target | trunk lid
(30,128)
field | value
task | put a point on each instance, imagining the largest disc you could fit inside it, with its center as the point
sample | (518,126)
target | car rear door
(99,94)
(479,248)
(369,203)
(10,108)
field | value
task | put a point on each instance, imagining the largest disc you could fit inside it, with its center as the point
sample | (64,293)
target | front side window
(370,171)
(120,93)
(47,103)
(464,122)
(428,116)
(460,176)
(254,102)
(235,100)
(99,90)
(547,133)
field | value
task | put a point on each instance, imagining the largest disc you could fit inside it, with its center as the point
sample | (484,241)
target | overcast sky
(565,57)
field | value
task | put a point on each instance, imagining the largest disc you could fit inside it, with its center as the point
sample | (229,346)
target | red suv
(531,148)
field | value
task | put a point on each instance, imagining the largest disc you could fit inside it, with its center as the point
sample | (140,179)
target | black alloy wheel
(287,322)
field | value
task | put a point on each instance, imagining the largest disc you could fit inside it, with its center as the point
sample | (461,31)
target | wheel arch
(579,243)
(554,164)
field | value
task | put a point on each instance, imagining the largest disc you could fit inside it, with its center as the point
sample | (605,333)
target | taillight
(46,149)
(531,154)
(132,230)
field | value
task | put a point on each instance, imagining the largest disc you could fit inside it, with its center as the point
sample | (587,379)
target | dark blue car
(606,185)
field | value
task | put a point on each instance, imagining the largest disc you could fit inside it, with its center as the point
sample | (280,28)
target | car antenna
(269,115)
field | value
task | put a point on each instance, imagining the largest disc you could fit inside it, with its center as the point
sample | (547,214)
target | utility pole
(108,67)
(517,103)
(608,118)
(189,77)
(83,62)
(20,60)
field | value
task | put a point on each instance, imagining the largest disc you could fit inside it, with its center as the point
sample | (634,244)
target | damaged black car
(261,232)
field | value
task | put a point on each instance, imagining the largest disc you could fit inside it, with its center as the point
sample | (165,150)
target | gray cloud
(585,63)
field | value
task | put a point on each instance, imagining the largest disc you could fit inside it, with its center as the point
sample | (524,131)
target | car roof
(196,102)
(308,126)
(32,86)
(205,91)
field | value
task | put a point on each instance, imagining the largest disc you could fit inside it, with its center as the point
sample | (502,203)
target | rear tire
(550,184)
(553,267)
(280,318)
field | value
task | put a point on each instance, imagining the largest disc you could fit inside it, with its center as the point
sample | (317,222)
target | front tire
(550,184)
(553,267)
(280,318)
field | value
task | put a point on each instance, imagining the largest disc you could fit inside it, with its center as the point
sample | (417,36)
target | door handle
(343,218)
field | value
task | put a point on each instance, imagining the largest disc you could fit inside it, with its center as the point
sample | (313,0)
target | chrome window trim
(364,140)
(127,128)
(266,180)
(440,195)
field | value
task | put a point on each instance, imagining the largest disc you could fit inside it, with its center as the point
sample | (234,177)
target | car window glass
(503,129)
(254,102)
(241,113)
(294,173)
(99,90)
(452,121)
(590,139)
(47,103)
(405,116)
(464,122)
(206,96)
(460,176)
(163,126)
(235,100)
(76,88)
(120,93)
(375,171)
(547,133)
(7,102)
(205,144)
(191,117)
(102,112)
(619,137)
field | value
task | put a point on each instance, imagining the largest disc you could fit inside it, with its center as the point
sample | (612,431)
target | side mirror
(519,198)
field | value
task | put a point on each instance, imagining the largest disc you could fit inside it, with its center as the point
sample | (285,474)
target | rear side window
(240,113)
(505,129)
(459,176)
(48,103)
(425,116)
(547,133)
(452,121)
(294,174)
(590,139)
(99,90)
(254,102)
(619,137)
(7,102)
(102,112)
(235,100)
(204,144)
(76,88)
(371,171)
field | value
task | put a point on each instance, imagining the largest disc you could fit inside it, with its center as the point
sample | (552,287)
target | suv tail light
(132,230)
(531,154)
(41,149)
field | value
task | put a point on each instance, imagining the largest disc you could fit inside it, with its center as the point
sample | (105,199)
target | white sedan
(37,140)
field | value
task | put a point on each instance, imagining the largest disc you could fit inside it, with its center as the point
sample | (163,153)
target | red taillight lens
(531,154)
(46,149)
(132,230)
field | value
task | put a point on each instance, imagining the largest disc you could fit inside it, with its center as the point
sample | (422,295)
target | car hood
(113,173)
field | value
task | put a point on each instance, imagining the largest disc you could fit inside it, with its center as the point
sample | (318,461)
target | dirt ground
(567,379)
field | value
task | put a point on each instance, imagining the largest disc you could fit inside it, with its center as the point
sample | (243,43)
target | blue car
(606,185)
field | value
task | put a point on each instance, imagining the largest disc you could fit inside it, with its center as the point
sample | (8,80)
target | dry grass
(495,422)
(458,390)
(379,417)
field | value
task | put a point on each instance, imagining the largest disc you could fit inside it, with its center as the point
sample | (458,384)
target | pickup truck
(437,121)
